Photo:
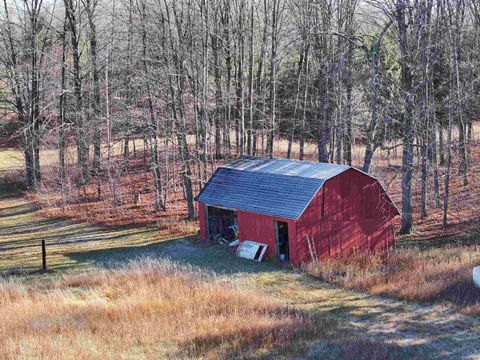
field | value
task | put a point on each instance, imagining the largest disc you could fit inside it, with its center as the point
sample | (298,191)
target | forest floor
(115,204)
(366,326)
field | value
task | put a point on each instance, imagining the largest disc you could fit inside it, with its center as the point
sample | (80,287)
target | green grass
(21,233)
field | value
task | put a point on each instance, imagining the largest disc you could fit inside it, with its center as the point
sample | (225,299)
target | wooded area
(201,82)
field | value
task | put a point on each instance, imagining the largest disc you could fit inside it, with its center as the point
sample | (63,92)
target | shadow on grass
(216,258)
(470,238)
(61,233)
(461,293)
(416,336)
(366,349)
(31,227)
(10,185)
(16,210)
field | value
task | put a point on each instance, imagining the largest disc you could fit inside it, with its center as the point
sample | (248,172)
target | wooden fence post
(44,256)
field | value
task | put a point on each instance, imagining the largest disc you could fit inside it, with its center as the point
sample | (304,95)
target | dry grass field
(155,308)
(22,227)
(438,275)
(147,310)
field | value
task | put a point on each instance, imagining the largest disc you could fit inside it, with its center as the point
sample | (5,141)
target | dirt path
(422,331)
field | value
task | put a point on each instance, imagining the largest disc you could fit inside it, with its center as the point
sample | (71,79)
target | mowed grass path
(405,329)
(21,233)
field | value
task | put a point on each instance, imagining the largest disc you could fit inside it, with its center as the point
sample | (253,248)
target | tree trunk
(250,86)
(370,145)
(407,117)
(228,62)
(434,163)
(82,145)
(97,106)
(446,196)
(220,110)
(177,90)
(348,83)
(273,76)
(240,90)
(62,105)
(152,124)
(260,94)
(441,147)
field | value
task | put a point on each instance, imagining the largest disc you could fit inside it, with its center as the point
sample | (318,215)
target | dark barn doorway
(283,251)
(221,223)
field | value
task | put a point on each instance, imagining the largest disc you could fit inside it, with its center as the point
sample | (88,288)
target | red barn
(297,208)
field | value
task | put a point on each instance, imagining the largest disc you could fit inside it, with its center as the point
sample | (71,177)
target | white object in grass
(476,276)
(251,250)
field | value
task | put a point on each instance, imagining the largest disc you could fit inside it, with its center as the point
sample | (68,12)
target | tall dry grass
(149,310)
(442,275)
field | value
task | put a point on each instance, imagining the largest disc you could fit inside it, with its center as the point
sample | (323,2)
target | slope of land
(87,230)
(352,324)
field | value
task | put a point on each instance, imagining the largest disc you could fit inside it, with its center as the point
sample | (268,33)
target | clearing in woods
(422,331)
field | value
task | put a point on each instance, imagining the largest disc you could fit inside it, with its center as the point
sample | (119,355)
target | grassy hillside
(22,229)
(111,202)
(147,310)
(83,308)
(441,275)
(157,308)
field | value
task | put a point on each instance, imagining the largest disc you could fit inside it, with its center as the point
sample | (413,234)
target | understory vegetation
(440,275)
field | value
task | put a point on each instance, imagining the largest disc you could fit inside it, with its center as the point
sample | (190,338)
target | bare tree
(90,8)
(203,82)
(25,78)
(72,13)
(401,16)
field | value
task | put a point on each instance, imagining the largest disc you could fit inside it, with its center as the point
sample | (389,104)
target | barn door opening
(221,223)
(281,231)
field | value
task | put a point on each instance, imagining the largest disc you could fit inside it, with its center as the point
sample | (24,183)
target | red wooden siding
(261,228)
(255,227)
(350,213)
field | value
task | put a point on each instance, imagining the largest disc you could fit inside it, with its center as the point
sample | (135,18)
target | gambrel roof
(275,187)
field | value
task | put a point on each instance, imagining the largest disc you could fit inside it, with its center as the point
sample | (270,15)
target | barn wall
(356,216)
(261,228)
(255,227)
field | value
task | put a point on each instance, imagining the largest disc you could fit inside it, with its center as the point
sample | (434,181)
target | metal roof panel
(307,169)
(275,187)
(262,193)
